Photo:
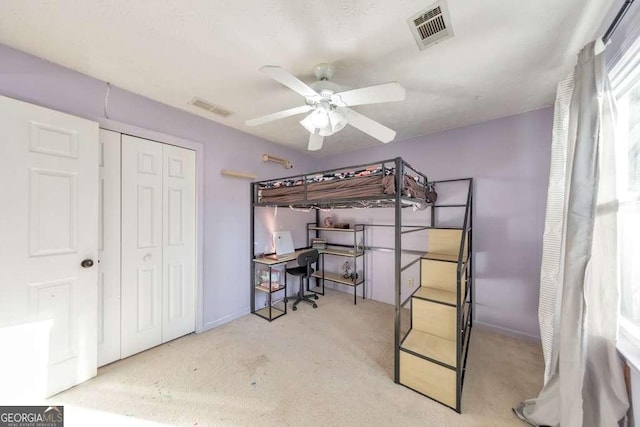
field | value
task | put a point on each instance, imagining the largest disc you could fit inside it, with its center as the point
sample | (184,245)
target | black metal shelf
(352,251)
(272,315)
(337,278)
(270,312)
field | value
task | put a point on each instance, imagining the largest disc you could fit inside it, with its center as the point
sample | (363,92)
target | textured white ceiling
(506,56)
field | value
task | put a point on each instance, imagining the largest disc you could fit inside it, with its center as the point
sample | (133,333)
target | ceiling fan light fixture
(320,117)
(338,120)
(308,124)
(329,105)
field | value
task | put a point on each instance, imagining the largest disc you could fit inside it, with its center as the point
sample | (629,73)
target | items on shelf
(274,286)
(318,243)
(342,225)
(329,222)
(348,273)
(353,250)
(262,279)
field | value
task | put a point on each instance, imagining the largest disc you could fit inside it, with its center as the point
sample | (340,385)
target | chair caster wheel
(294,308)
(315,305)
(315,297)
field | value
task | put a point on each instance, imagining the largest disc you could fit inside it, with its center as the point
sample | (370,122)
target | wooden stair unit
(433,353)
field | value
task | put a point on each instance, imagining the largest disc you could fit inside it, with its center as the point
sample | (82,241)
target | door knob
(87,263)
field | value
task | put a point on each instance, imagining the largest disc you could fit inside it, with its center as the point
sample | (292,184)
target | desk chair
(304,271)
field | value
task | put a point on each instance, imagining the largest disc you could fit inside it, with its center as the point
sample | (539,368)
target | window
(626,85)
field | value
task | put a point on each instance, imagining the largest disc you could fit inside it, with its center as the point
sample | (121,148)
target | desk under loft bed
(427,360)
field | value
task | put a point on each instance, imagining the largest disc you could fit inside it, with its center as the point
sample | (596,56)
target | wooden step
(438,274)
(441,257)
(436,295)
(445,241)
(442,275)
(431,346)
(428,378)
(433,318)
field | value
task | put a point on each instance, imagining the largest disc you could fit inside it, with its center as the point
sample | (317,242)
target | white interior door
(48,226)
(109,244)
(141,285)
(179,238)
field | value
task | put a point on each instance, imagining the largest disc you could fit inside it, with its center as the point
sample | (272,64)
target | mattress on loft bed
(339,187)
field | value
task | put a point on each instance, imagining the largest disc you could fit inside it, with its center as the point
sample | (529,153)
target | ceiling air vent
(431,25)
(212,108)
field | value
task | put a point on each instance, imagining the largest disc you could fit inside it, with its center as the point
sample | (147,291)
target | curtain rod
(616,21)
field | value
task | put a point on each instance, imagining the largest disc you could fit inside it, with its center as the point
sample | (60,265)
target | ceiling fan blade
(369,126)
(315,142)
(386,92)
(283,77)
(278,115)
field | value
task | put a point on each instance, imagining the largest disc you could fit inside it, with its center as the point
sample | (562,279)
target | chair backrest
(305,259)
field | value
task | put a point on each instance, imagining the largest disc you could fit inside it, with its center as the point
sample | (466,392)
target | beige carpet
(330,366)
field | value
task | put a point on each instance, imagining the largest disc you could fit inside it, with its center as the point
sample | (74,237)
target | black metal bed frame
(397,201)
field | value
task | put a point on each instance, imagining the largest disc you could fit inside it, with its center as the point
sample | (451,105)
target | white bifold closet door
(109,245)
(178,242)
(158,244)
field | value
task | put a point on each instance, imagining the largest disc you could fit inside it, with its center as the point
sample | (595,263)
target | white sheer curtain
(584,383)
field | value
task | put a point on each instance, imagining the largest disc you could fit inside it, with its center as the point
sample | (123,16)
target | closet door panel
(179,245)
(109,244)
(142,266)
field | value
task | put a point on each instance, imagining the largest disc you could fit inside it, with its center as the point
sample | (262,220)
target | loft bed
(367,185)
(393,184)
(370,185)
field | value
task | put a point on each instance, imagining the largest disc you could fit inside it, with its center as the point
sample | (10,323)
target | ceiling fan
(329,107)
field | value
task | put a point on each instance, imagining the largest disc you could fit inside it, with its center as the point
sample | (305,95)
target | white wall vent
(431,25)
(210,107)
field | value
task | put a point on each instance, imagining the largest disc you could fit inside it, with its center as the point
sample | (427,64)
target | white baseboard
(226,319)
(506,331)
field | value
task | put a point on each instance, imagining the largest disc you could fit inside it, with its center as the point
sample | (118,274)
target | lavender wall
(509,160)
(226,200)
(507,157)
